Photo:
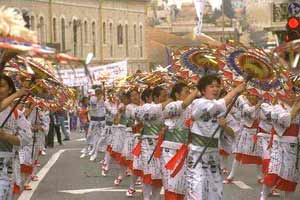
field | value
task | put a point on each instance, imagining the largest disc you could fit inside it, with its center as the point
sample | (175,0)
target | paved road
(67,177)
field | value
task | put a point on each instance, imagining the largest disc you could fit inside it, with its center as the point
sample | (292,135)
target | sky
(214,3)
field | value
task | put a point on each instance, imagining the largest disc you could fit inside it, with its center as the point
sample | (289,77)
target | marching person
(204,182)
(283,172)
(249,149)
(151,115)
(10,141)
(176,115)
(97,121)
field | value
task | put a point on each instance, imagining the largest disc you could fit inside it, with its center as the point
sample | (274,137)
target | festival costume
(264,134)
(8,155)
(175,136)
(249,149)
(152,117)
(204,182)
(96,125)
(282,172)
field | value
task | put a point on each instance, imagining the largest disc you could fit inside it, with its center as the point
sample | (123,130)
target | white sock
(147,189)
(233,169)
(155,193)
(258,171)
(134,178)
(107,159)
(265,192)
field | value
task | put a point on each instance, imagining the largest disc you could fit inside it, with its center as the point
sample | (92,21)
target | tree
(228,10)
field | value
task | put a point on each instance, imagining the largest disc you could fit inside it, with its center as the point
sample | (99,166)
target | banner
(108,73)
(199,5)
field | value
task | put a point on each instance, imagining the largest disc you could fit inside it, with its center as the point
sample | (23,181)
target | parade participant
(151,115)
(204,181)
(228,141)
(39,120)
(24,125)
(283,171)
(119,136)
(84,124)
(249,149)
(176,114)
(111,108)
(264,134)
(132,139)
(97,121)
(9,100)
(10,141)
(44,122)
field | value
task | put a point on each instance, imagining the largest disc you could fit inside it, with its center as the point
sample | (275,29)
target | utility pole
(100,31)
(223,22)
(50,21)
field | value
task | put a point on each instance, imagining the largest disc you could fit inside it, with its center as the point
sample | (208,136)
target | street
(64,176)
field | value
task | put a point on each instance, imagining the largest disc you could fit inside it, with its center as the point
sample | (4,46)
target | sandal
(117,181)
(27,187)
(228,181)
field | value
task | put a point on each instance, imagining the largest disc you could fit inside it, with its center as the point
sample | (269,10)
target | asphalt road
(64,176)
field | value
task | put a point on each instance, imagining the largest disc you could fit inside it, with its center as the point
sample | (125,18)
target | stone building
(113,30)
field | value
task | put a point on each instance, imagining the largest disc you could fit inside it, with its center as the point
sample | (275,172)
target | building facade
(112,30)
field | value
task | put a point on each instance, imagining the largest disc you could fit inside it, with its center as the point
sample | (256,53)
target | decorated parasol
(15,38)
(266,76)
(199,60)
(255,68)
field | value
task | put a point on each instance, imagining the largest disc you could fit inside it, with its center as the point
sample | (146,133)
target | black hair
(156,91)
(207,80)
(84,98)
(10,83)
(146,94)
(177,88)
(98,90)
(133,90)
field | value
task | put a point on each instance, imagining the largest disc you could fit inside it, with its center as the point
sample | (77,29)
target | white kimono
(9,157)
(248,151)
(264,133)
(204,182)
(175,118)
(282,172)
(97,121)
(129,138)
(152,117)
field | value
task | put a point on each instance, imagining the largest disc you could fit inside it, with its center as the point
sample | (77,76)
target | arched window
(120,34)
(126,40)
(75,36)
(32,23)
(134,34)
(42,29)
(104,32)
(86,38)
(63,35)
(141,41)
(94,37)
(54,30)
(111,39)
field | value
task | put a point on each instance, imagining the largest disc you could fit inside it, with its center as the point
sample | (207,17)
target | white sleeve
(281,120)
(173,109)
(155,111)
(265,111)
(233,123)
(203,107)
(248,111)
